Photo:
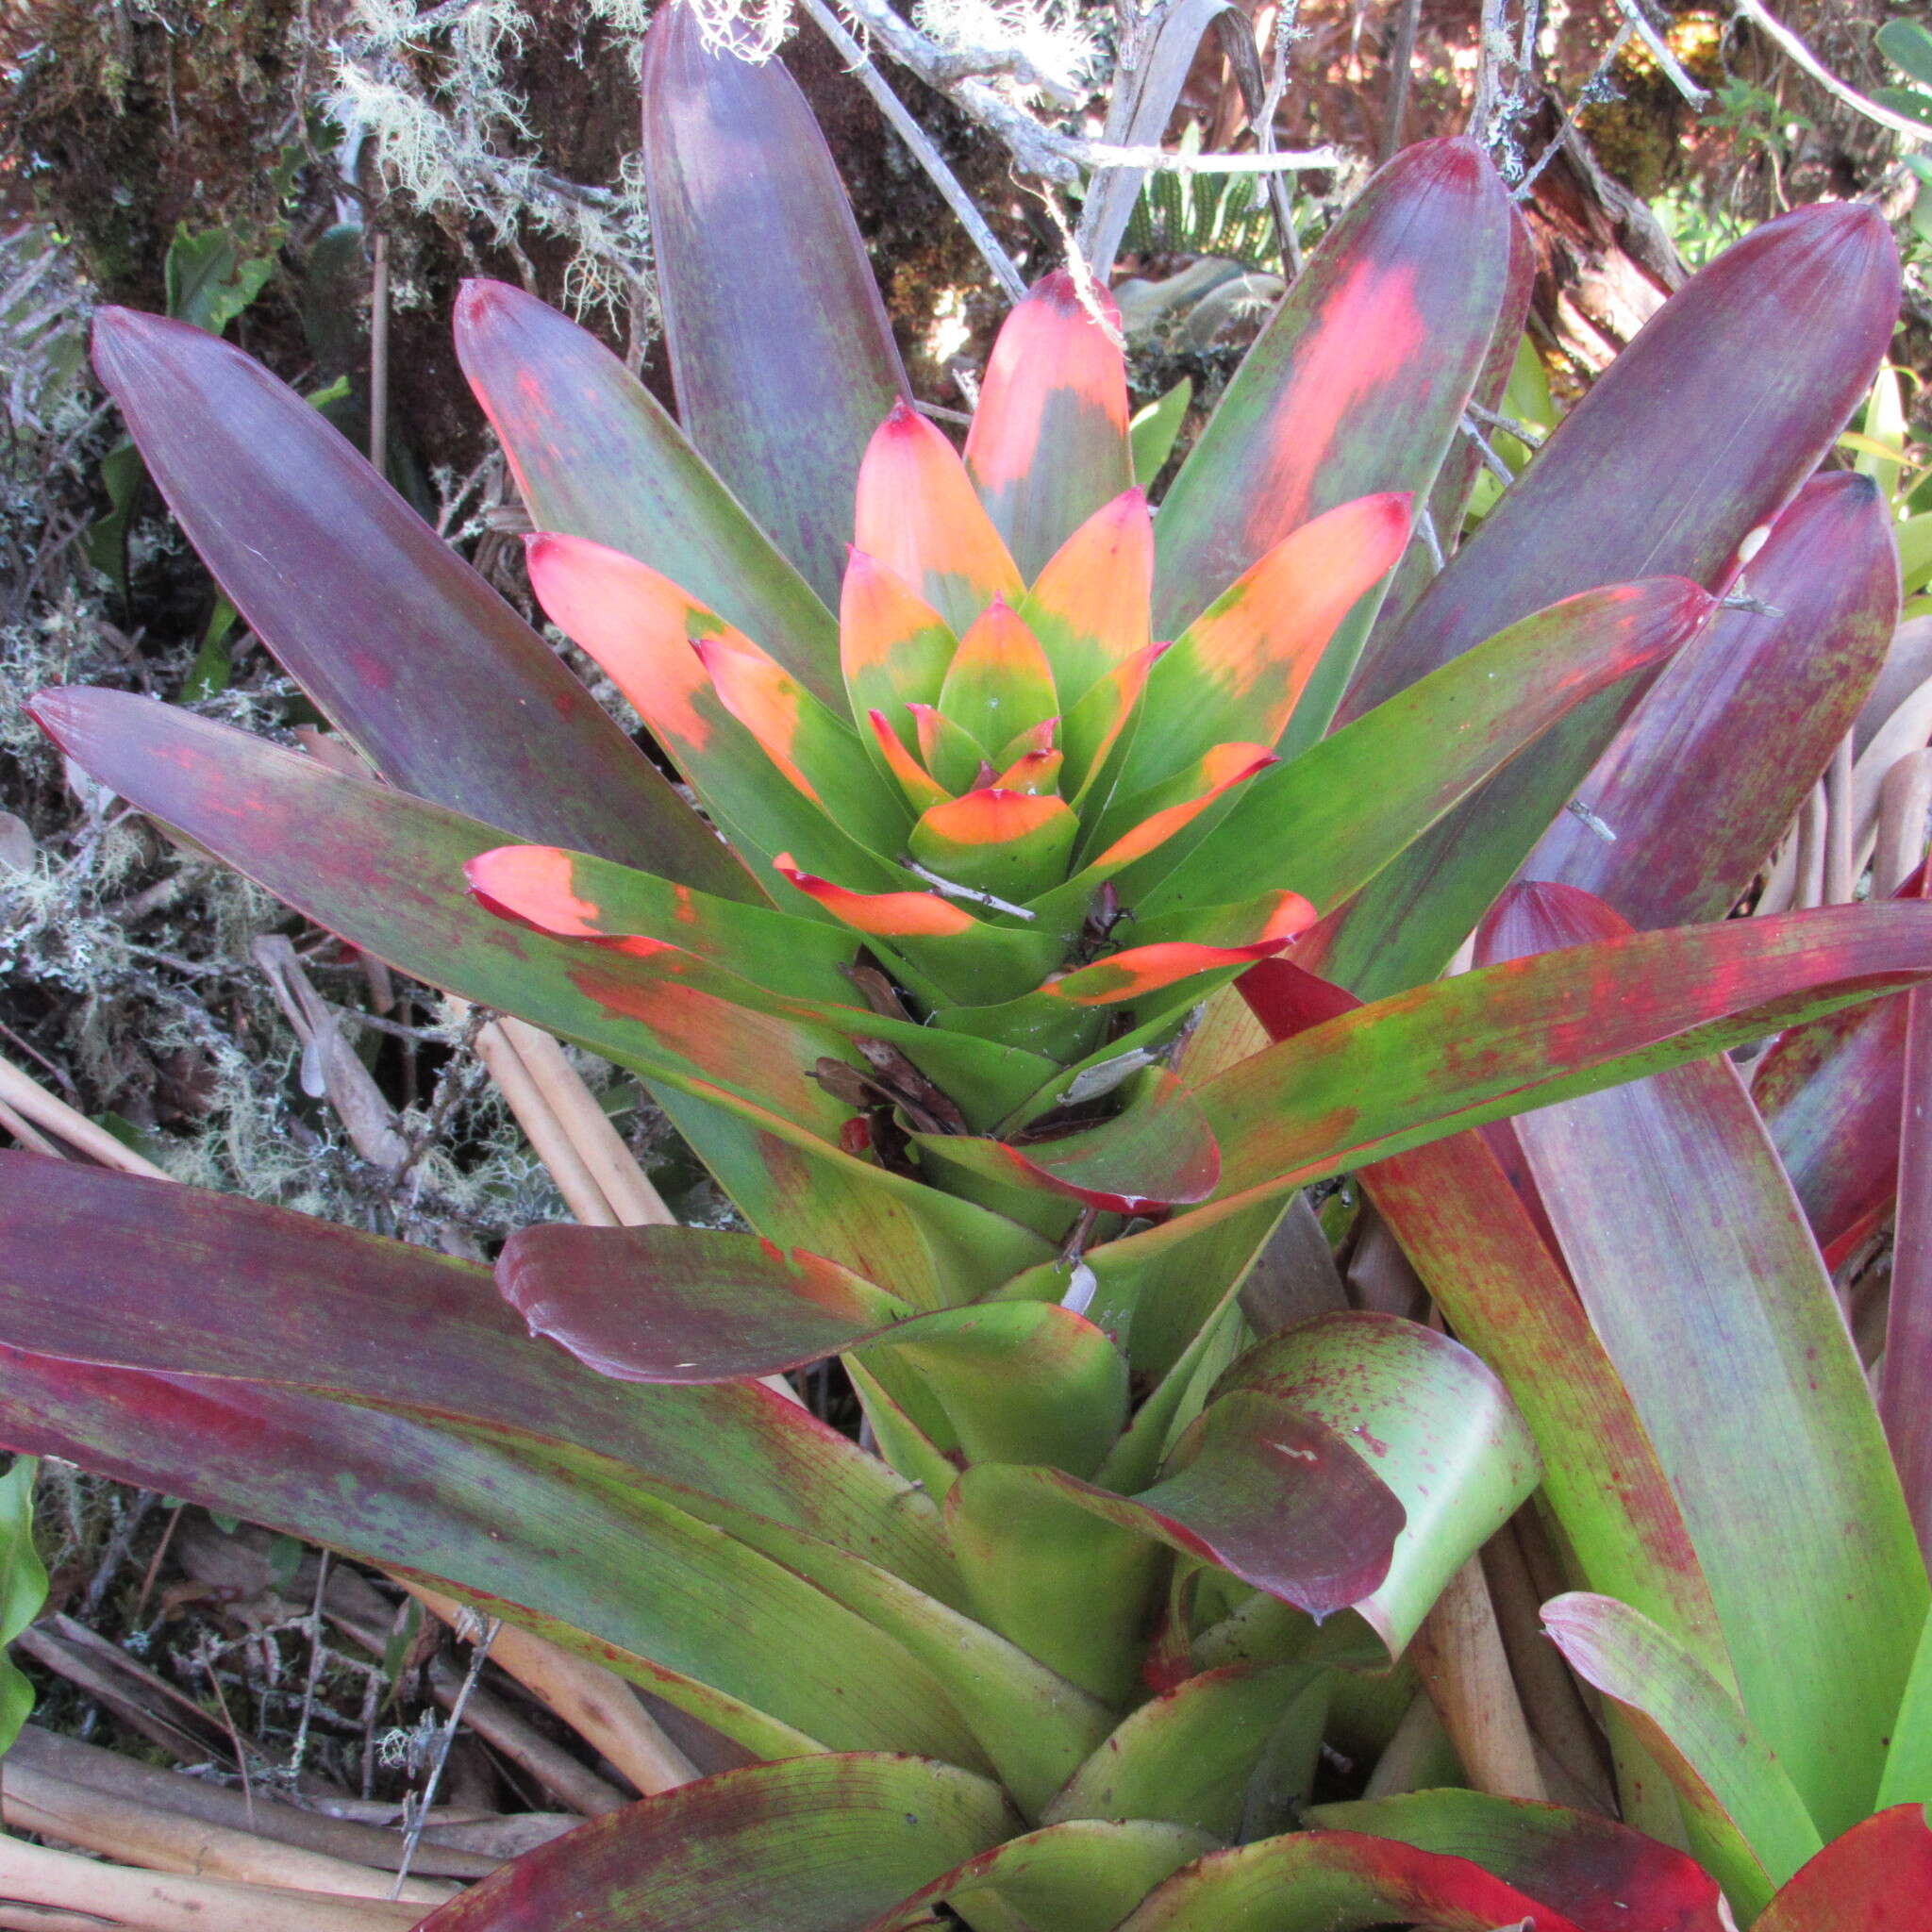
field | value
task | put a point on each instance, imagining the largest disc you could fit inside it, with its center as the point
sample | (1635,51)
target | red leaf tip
(1544,916)
(1453,162)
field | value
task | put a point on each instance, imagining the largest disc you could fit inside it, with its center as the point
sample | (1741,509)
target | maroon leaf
(1717,1311)
(1762,357)
(1755,364)
(686,1304)
(779,345)
(1905,1392)
(660,1596)
(151,1276)
(448,692)
(1340,1881)
(1692,809)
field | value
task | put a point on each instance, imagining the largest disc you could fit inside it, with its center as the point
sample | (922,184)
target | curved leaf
(448,691)
(821,1843)
(780,350)
(1747,1823)
(1875,1878)
(1337,1881)
(1080,1876)
(1432,1422)
(1606,1876)
(1272,1496)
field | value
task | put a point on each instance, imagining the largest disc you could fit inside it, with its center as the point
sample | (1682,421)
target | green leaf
(1329,821)
(1715,1308)
(1906,43)
(1747,1823)
(1187,1756)
(23,1590)
(824,1842)
(1428,1418)
(209,281)
(1908,1762)
(1154,431)
(1080,1876)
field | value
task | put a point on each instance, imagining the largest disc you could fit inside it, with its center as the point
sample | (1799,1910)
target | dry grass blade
(597,1703)
(1905,801)
(140,1699)
(551,1140)
(145,1835)
(1459,1657)
(109,1772)
(166,1901)
(32,1101)
(625,1185)
(1558,1719)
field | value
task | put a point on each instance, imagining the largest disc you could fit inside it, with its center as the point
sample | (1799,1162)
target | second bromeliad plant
(1057,773)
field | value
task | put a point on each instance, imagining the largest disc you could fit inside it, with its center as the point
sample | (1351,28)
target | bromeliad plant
(993,838)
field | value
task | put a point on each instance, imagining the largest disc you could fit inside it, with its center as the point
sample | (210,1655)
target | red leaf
(780,349)
(1876,1878)
(426,669)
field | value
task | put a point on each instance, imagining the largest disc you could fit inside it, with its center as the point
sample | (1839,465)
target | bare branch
(1914,132)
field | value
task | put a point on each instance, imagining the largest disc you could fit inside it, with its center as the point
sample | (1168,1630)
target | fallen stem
(167,1902)
(29,1098)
